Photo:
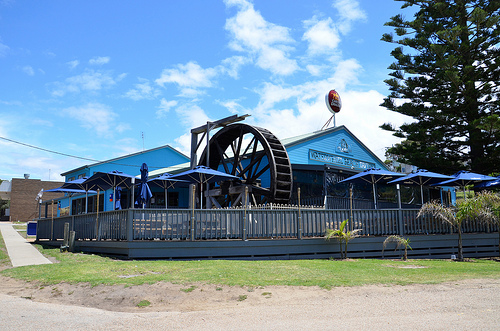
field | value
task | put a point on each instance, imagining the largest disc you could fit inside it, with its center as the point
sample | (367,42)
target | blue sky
(91,78)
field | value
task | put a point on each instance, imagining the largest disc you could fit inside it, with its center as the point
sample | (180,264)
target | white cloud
(89,80)
(321,35)
(349,12)
(232,65)
(142,90)
(268,42)
(4,49)
(191,115)
(28,70)
(73,64)
(233,106)
(99,60)
(165,107)
(97,117)
(188,77)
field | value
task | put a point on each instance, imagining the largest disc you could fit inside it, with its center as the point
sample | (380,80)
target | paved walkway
(20,251)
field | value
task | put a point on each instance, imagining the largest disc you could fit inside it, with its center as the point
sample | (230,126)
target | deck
(261,233)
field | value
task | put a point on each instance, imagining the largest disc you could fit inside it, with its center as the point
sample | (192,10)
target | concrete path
(20,251)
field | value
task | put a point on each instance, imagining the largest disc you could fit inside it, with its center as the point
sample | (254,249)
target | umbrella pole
(114,197)
(86,201)
(465,195)
(374,195)
(422,194)
(166,198)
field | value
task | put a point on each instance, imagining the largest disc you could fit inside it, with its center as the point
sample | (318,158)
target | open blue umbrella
(464,178)
(421,178)
(373,176)
(489,184)
(107,180)
(144,193)
(204,175)
(70,192)
(80,184)
(165,181)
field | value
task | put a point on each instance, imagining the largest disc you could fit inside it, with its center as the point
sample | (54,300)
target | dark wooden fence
(182,224)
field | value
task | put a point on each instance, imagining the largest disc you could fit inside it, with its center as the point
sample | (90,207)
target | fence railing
(183,224)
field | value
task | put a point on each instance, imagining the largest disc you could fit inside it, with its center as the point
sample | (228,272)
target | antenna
(142,134)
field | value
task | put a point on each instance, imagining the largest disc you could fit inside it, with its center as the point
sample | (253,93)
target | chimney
(26,176)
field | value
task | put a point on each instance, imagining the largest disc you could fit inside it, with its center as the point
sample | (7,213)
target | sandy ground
(463,305)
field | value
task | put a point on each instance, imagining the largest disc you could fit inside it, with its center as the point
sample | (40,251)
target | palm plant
(400,241)
(455,216)
(343,236)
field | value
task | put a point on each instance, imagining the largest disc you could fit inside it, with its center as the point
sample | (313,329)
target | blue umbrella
(80,184)
(421,178)
(489,184)
(118,192)
(464,178)
(70,191)
(107,180)
(165,181)
(373,176)
(203,175)
(144,193)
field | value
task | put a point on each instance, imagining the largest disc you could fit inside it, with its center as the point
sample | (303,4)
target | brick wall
(23,206)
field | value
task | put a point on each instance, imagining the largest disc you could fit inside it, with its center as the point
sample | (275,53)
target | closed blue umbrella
(421,178)
(144,193)
(373,176)
(118,192)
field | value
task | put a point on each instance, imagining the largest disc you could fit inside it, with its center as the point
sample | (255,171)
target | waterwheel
(254,155)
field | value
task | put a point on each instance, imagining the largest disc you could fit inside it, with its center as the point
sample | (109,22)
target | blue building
(155,158)
(319,160)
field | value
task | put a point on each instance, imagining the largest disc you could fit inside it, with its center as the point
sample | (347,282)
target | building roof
(124,157)
(293,141)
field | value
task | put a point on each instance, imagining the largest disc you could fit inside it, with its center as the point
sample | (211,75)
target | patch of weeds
(71,292)
(267,294)
(189,289)
(27,298)
(143,304)
(242,297)
(250,289)
(218,289)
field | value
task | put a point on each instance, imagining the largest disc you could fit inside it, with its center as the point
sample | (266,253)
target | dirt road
(464,305)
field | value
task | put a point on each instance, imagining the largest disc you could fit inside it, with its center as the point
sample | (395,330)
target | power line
(69,155)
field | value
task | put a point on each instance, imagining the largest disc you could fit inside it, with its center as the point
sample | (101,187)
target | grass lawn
(94,269)
(4,257)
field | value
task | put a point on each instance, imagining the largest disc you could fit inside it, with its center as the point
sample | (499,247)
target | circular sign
(333,101)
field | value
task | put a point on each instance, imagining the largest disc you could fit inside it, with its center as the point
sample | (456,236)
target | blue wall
(335,147)
(157,158)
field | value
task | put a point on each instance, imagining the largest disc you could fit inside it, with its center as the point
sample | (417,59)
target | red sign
(333,101)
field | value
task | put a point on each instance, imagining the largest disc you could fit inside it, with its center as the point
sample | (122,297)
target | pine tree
(447,78)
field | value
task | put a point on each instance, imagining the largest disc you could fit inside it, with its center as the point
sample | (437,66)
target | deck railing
(184,224)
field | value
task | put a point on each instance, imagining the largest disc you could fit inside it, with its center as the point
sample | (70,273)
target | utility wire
(69,155)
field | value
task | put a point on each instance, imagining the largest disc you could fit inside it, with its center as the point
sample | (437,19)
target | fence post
(130,225)
(299,218)
(400,213)
(193,196)
(244,227)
